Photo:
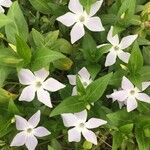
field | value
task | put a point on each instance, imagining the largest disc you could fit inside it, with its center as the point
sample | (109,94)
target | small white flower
(4,3)
(84,76)
(37,83)
(29,131)
(80,125)
(129,94)
(117,48)
(80,18)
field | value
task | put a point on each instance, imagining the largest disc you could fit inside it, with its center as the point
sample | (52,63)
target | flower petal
(90,136)
(28,94)
(5,3)
(52,85)
(2,9)
(69,120)
(82,116)
(127,41)
(72,79)
(99,46)
(74,91)
(42,74)
(19,139)
(31,142)
(124,56)
(113,39)
(126,84)
(21,123)
(110,58)
(74,135)
(35,119)
(84,73)
(131,104)
(77,32)
(75,6)
(145,85)
(41,131)
(44,97)
(26,77)
(67,19)
(95,7)
(119,95)
(94,123)
(94,24)
(143,97)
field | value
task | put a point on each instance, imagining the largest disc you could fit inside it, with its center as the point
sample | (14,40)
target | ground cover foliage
(66,68)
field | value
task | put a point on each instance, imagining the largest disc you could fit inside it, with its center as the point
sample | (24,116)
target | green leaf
(4,20)
(23,50)
(18,26)
(146,55)
(96,89)
(136,60)
(70,105)
(44,56)
(145,73)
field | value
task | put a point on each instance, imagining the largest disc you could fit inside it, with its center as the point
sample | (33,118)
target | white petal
(131,104)
(31,142)
(72,79)
(74,91)
(5,3)
(74,135)
(126,84)
(110,58)
(90,136)
(99,46)
(113,39)
(67,19)
(77,32)
(95,7)
(94,123)
(27,94)
(2,9)
(124,56)
(94,24)
(41,131)
(42,74)
(82,116)
(145,85)
(44,97)
(52,85)
(127,41)
(19,139)
(21,123)
(69,120)
(143,97)
(84,73)
(119,95)
(35,119)
(26,77)
(75,6)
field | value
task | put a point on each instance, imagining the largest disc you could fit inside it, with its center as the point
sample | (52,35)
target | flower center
(116,48)
(38,84)
(81,125)
(132,92)
(29,130)
(81,18)
(85,84)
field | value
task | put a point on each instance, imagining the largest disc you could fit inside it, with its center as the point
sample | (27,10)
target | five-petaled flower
(4,3)
(80,18)
(85,79)
(129,94)
(117,48)
(29,131)
(79,124)
(37,83)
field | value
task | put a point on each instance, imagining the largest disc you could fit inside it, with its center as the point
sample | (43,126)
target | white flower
(37,83)
(4,3)
(29,131)
(117,48)
(129,94)
(79,124)
(84,76)
(80,18)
